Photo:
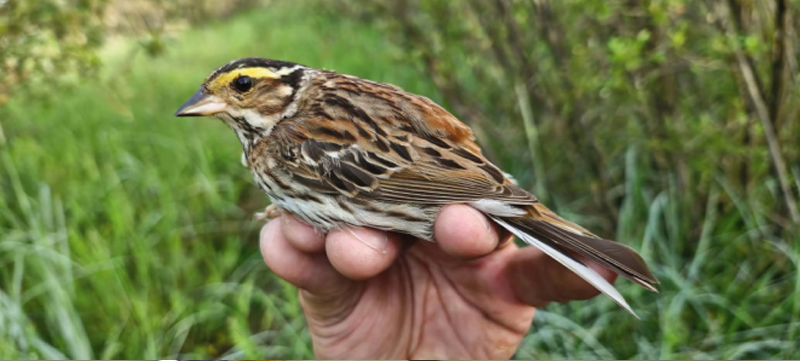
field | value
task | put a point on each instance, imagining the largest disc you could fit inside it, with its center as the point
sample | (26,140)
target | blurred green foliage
(43,40)
(47,42)
(126,233)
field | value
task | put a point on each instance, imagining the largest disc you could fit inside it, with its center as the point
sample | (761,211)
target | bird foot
(272,211)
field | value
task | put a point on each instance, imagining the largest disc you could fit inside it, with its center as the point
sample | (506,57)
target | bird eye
(243,83)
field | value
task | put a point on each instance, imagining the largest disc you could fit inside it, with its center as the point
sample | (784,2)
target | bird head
(250,95)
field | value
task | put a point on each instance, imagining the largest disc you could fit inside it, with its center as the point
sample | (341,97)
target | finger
(537,279)
(464,232)
(312,272)
(361,253)
(301,236)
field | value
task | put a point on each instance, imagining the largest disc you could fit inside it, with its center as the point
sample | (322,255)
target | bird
(338,151)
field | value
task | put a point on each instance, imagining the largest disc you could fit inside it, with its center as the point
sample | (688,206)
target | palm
(430,306)
(459,298)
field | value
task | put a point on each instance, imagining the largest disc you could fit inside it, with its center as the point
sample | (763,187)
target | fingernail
(480,217)
(376,240)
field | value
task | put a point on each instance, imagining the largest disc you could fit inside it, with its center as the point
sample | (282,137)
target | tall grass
(127,233)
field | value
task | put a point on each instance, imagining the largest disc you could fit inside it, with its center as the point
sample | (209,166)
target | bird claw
(272,211)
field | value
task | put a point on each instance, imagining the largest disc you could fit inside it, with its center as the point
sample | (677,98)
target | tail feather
(568,261)
(615,256)
(556,236)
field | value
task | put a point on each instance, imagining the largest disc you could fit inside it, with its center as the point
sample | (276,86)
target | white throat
(249,125)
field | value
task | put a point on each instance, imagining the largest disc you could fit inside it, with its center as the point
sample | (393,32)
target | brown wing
(375,140)
(409,172)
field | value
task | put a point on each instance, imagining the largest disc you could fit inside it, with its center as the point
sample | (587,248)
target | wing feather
(351,169)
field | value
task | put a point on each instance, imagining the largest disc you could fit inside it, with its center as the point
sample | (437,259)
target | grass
(127,233)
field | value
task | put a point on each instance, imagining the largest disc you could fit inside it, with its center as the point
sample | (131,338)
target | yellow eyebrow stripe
(253,72)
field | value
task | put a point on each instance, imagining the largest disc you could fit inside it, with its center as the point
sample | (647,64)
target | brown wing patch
(437,122)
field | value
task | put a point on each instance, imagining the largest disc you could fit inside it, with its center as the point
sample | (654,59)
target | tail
(554,236)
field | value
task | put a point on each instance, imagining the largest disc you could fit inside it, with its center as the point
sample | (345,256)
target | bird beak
(201,104)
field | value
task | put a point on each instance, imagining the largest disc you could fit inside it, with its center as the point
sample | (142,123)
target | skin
(377,295)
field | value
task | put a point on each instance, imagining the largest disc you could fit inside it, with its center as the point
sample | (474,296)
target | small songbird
(336,151)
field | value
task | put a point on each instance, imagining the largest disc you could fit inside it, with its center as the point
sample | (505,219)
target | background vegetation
(670,125)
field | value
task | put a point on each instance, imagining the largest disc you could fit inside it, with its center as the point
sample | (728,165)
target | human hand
(379,295)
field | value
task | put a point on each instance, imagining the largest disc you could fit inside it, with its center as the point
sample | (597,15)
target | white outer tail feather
(588,274)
